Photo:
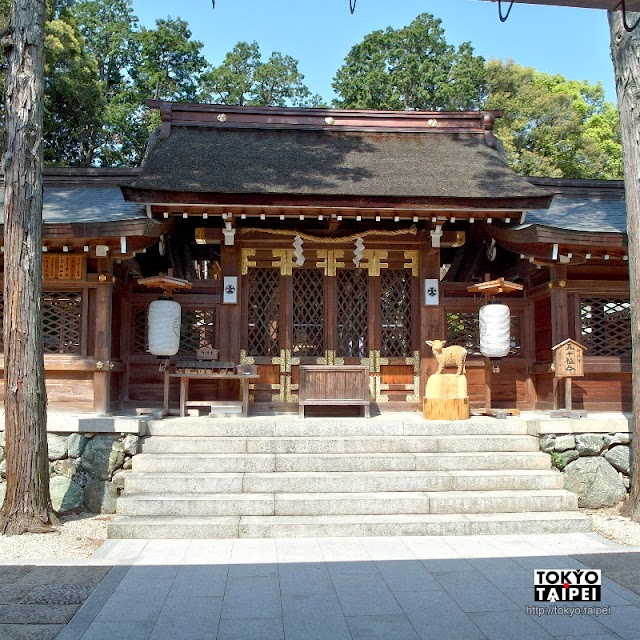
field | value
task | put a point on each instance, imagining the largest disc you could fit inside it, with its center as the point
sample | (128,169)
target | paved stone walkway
(37,601)
(449,588)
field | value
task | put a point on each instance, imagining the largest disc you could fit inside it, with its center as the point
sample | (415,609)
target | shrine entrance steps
(288,477)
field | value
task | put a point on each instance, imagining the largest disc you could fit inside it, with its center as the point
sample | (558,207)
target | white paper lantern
(495,330)
(164,327)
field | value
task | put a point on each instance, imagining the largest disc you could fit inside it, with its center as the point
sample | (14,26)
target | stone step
(315,504)
(337,482)
(335,444)
(292,427)
(267,463)
(154,527)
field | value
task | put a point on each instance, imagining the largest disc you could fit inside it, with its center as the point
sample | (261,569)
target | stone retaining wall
(596,466)
(87,471)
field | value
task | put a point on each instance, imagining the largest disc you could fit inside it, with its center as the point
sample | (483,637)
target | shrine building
(331,237)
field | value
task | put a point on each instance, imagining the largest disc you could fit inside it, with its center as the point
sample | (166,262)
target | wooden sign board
(62,266)
(568,359)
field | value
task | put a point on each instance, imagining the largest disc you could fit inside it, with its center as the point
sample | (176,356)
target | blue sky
(319,33)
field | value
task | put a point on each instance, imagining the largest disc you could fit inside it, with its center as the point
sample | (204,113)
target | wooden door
(333,311)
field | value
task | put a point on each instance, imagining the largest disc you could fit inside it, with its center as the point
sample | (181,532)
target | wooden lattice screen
(140,330)
(606,326)
(197,329)
(263,284)
(396,313)
(308,312)
(62,321)
(463,328)
(352,314)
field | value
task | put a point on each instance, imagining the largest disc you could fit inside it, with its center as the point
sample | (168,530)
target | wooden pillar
(431,316)
(559,316)
(229,321)
(102,350)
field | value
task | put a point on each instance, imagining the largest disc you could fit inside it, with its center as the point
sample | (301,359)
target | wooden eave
(140,233)
(537,241)
(310,212)
(298,201)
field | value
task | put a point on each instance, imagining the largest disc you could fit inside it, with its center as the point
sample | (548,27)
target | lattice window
(352,314)
(62,321)
(308,312)
(463,328)
(264,311)
(197,329)
(140,330)
(606,326)
(396,313)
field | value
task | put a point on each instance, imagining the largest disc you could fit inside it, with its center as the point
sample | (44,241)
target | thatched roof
(367,168)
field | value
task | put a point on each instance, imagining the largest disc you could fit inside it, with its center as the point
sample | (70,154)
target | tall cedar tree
(625,51)
(27,505)
(412,68)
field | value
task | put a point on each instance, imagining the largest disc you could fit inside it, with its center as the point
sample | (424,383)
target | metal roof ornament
(623,7)
(504,16)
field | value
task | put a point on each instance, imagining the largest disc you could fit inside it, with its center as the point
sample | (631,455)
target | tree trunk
(625,51)
(27,506)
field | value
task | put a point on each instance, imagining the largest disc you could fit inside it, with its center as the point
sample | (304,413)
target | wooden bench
(334,385)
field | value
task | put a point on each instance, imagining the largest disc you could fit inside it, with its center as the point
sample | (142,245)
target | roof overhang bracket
(436,235)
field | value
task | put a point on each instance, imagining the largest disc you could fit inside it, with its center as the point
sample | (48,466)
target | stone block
(611,439)
(619,457)
(130,444)
(102,456)
(65,494)
(76,444)
(568,456)
(100,496)
(547,442)
(589,444)
(595,481)
(57,446)
(564,443)
(67,467)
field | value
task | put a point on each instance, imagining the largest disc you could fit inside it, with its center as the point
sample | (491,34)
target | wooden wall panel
(396,374)
(542,317)
(593,392)
(602,392)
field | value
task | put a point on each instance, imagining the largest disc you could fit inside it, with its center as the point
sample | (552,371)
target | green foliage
(410,68)
(170,62)
(243,79)
(553,126)
(74,98)
(109,31)
(557,460)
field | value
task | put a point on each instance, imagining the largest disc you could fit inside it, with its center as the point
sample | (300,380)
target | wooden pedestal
(446,397)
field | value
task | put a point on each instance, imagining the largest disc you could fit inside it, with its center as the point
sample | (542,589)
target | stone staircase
(286,477)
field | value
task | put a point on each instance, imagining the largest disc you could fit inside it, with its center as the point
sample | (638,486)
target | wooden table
(244,380)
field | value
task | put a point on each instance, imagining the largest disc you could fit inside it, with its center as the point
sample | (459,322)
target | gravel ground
(610,524)
(80,536)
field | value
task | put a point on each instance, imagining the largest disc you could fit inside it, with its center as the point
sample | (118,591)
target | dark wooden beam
(513,204)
